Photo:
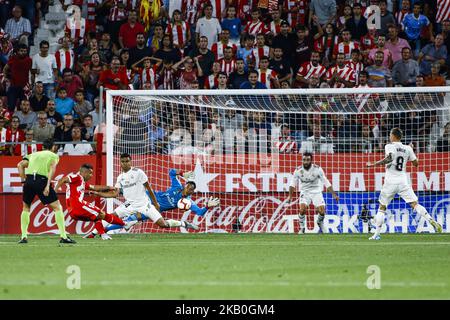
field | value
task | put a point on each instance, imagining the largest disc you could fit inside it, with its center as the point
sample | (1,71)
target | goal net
(244,146)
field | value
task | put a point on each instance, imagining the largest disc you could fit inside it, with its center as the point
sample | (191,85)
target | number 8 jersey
(396,169)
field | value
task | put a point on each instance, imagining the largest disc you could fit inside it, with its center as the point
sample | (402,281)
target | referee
(36,171)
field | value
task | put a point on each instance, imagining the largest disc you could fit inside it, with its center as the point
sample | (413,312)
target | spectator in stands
(246,51)
(286,142)
(405,70)
(75,148)
(3,148)
(107,48)
(312,67)
(433,52)
(82,107)
(222,81)
(4,112)
(233,24)
(140,50)
(443,143)
(340,75)
(113,78)
(31,145)
(17,70)
(26,116)
(255,26)
(347,15)
(211,81)
(204,55)
(239,76)
(357,24)
(167,51)
(53,117)
(179,30)
(155,40)
(64,104)
(386,18)
(282,66)
(324,10)
(18,27)
(380,46)
(14,134)
(414,24)
(96,113)
(65,57)
(208,26)
(85,56)
(128,31)
(227,63)
(90,74)
(367,144)
(38,100)
(230,119)
(379,75)
(157,135)
(253,82)
(72,83)
(395,44)
(302,47)
(286,41)
(435,79)
(218,48)
(317,143)
(188,74)
(42,129)
(261,129)
(64,132)
(87,132)
(44,69)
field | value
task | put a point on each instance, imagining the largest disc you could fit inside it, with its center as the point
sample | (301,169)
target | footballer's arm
(152,195)
(386,160)
(104,191)
(21,167)
(335,196)
(61,181)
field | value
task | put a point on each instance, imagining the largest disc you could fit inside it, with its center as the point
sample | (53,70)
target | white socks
(175,223)
(379,220)
(423,212)
(301,218)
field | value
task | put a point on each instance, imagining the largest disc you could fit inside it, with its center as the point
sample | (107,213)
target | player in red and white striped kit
(80,209)
(228,62)
(346,46)
(65,57)
(312,67)
(261,50)
(179,30)
(256,26)
(267,76)
(340,75)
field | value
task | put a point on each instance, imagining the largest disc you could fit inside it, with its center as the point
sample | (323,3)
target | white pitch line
(141,283)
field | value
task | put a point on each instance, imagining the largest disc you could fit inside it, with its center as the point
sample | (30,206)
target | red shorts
(85,212)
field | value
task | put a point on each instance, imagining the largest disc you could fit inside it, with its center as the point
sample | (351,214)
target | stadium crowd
(224,44)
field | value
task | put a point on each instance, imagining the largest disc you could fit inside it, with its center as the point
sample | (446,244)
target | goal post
(244,146)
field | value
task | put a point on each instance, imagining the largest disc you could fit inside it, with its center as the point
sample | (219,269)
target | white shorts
(315,198)
(126,209)
(389,191)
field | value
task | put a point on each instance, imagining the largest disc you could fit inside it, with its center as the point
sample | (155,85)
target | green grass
(218,266)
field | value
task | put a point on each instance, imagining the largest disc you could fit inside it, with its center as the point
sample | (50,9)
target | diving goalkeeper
(168,200)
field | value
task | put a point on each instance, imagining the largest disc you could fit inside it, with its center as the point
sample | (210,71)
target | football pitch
(227,266)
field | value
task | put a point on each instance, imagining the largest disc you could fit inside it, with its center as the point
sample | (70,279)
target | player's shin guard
(24,222)
(175,223)
(113,219)
(379,220)
(423,212)
(99,227)
(60,222)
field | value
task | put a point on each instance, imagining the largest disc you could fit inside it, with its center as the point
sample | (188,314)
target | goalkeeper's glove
(212,202)
(188,176)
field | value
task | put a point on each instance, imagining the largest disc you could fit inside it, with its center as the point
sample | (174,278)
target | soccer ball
(184,204)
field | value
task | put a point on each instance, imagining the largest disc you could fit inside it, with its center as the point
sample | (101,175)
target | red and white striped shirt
(367,42)
(76,30)
(287,145)
(256,28)
(227,66)
(218,8)
(308,69)
(211,81)
(346,73)
(443,10)
(400,15)
(346,49)
(355,66)
(266,77)
(17,136)
(26,149)
(167,79)
(91,6)
(148,76)
(217,49)
(65,59)
(299,16)
(178,32)
(362,99)
(190,9)
(116,14)
(258,53)
(325,42)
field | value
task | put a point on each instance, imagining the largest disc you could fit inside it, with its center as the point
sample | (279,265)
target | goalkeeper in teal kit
(168,200)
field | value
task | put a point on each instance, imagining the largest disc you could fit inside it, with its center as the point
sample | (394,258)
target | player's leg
(123,212)
(60,221)
(305,201)
(408,195)
(151,213)
(27,198)
(319,204)
(386,195)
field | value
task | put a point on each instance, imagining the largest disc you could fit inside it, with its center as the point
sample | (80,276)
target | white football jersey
(311,180)
(131,184)
(401,154)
